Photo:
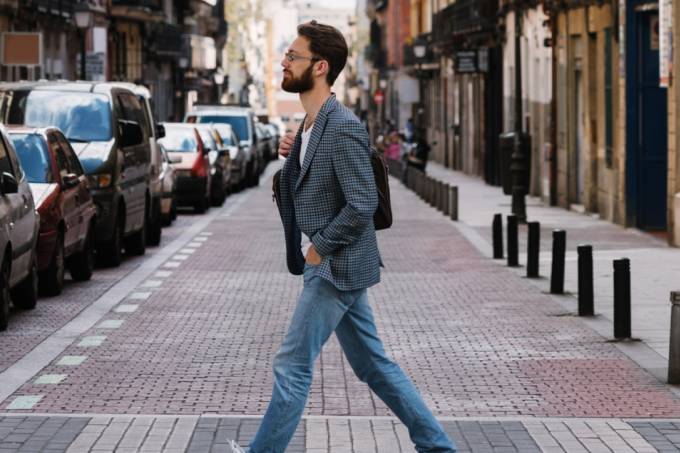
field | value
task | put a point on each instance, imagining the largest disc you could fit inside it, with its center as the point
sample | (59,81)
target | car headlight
(100,181)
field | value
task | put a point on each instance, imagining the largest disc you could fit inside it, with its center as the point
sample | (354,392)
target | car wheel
(4,297)
(51,281)
(25,295)
(136,244)
(111,252)
(81,264)
(173,210)
(201,205)
(154,235)
(217,194)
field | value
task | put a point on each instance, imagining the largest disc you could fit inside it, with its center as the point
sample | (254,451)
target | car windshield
(82,117)
(179,140)
(207,138)
(225,135)
(33,156)
(238,123)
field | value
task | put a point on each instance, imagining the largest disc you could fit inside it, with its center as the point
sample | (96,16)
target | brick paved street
(172,351)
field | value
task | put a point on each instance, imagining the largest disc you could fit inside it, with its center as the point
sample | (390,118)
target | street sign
(471,61)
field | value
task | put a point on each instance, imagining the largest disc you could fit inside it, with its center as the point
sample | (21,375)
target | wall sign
(471,61)
(665,41)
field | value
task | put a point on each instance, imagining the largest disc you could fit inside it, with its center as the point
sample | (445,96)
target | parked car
(19,225)
(265,140)
(276,134)
(183,141)
(169,185)
(63,201)
(237,154)
(153,132)
(220,164)
(242,120)
(105,124)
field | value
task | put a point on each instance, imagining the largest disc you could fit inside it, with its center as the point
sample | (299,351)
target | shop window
(608,99)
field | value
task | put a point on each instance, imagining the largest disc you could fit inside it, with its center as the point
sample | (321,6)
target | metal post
(513,252)
(518,158)
(453,203)
(585,281)
(497,233)
(622,298)
(559,247)
(83,53)
(674,351)
(533,249)
(442,197)
(446,200)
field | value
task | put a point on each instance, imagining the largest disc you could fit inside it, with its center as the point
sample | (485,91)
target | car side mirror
(71,180)
(130,133)
(8,184)
(160,131)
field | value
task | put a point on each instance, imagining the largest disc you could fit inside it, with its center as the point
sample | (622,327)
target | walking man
(328,198)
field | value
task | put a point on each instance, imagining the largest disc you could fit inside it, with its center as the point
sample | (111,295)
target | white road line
(71,360)
(110,324)
(92,341)
(46,379)
(24,402)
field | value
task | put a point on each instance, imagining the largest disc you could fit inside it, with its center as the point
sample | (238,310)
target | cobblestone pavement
(650,282)
(177,354)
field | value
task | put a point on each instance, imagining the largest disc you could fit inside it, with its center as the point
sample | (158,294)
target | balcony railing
(150,4)
(61,8)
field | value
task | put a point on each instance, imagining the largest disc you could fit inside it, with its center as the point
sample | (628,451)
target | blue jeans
(321,310)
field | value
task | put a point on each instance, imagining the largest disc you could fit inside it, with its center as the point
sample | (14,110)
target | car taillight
(198,169)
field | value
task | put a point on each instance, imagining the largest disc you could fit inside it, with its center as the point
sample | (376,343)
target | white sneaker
(235,448)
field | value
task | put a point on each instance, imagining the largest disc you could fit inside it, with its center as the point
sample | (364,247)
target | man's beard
(299,85)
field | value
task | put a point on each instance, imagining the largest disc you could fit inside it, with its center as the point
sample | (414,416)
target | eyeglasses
(290,56)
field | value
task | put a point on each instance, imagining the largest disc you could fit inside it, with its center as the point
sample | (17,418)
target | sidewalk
(176,356)
(655,267)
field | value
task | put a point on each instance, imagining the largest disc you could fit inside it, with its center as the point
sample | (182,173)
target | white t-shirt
(306,242)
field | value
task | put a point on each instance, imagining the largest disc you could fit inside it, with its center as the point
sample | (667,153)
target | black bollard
(445,203)
(558,254)
(497,232)
(453,202)
(442,197)
(622,298)
(533,248)
(585,281)
(674,346)
(513,249)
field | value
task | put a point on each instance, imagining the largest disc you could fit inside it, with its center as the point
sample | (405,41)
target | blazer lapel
(317,133)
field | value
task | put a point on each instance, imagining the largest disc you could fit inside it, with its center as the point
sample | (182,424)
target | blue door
(651,163)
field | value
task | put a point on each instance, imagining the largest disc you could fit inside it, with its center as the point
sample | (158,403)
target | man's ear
(321,68)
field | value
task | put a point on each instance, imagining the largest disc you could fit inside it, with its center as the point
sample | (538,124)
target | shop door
(652,125)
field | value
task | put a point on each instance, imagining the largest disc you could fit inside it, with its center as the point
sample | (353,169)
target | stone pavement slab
(331,435)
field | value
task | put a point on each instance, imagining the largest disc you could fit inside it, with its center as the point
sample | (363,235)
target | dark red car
(62,198)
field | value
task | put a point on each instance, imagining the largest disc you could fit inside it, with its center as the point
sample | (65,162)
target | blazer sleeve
(352,167)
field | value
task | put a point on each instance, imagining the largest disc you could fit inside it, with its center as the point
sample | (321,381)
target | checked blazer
(332,198)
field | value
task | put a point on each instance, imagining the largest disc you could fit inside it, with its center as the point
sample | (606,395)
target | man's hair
(326,43)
